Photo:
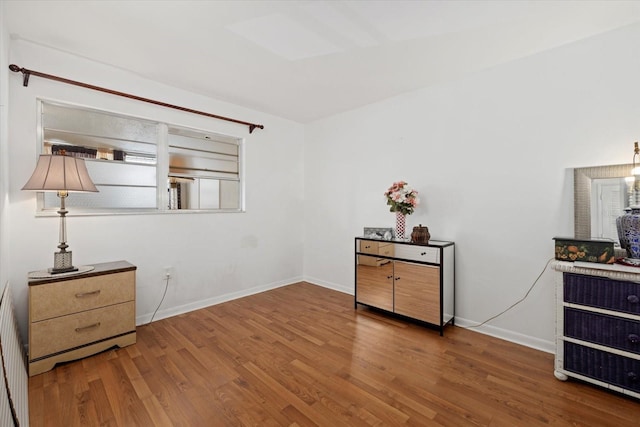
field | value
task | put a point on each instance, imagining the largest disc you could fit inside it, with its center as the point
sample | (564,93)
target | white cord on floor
(517,302)
(166,286)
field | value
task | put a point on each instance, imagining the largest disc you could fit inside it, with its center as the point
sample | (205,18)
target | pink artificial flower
(402,198)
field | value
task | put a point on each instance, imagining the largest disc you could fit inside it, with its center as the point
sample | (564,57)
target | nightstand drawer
(76,295)
(66,332)
(616,332)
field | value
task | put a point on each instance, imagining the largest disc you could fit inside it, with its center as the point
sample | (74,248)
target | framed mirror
(600,196)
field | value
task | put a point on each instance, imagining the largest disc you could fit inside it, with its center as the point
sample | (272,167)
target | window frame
(162,166)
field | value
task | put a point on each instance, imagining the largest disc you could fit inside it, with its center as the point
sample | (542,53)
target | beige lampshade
(60,173)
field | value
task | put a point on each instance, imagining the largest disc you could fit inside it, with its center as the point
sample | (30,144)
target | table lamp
(62,174)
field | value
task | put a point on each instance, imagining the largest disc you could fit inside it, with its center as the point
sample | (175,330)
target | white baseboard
(505,334)
(515,337)
(186,308)
(340,288)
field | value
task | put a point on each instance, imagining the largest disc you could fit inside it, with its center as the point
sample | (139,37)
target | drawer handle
(88,294)
(633,338)
(367,247)
(632,376)
(423,253)
(633,299)
(84,328)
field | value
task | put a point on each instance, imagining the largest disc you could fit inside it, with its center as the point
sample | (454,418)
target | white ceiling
(305,60)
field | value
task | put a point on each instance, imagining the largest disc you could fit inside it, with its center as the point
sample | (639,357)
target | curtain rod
(25,82)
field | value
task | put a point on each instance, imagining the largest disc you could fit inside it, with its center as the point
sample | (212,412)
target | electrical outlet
(168,272)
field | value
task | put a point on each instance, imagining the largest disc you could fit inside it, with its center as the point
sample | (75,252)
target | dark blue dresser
(598,325)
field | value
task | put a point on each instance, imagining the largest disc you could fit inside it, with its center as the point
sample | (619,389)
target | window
(140,165)
(204,173)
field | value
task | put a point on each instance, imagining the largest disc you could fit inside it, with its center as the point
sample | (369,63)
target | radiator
(14,409)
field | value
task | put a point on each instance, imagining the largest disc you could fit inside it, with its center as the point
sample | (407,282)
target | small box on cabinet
(587,250)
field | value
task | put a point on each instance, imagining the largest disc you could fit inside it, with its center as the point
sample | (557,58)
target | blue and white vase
(629,232)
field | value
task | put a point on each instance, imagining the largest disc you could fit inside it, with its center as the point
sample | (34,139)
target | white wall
(215,256)
(4,161)
(490,156)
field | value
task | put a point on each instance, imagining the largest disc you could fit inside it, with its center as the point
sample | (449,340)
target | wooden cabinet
(598,325)
(414,281)
(74,316)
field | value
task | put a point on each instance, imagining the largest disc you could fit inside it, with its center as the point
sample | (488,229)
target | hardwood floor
(301,355)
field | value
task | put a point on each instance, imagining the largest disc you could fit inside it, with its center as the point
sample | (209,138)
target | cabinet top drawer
(418,253)
(602,292)
(76,295)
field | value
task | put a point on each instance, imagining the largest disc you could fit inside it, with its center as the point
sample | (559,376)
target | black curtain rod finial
(252,127)
(26,73)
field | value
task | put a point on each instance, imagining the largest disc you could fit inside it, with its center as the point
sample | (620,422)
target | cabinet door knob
(633,299)
(633,338)
(397,278)
(389,277)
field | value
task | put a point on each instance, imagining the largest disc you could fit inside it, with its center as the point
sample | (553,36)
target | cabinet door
(417,291)
(374,284)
